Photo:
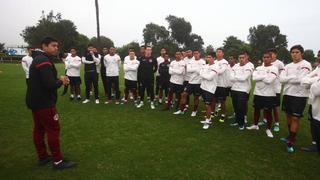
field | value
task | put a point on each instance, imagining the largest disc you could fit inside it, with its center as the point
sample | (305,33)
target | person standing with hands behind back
(41,98)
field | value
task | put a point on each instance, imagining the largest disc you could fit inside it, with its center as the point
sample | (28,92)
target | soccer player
(130,68)
(164,78)
(176,71)
(209,82)
(240,76)
(223,82)
(105,51)
(264,92)
(90,61)
(187,59)
(26,63)
(309,80)
(232,63)
(41,98)
(73,64)
(112,62)
(193,87)
(159,90)
(277,100)
(295,95)
(148,66)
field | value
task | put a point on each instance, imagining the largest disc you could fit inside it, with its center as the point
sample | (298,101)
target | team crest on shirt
(56,117)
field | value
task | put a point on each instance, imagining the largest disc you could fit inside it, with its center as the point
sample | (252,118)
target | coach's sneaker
(178,112)
(140,104)
(85,101)
(42,162)
(207,121)
(194,114)
(63,164)
(253,127)
(205,126)
(276,127)
(262,123)
(269,133)
(97,101)
(152,105)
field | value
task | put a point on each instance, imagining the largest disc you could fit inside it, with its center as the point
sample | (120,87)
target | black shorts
(193,89)
(207,97)
(185,84)
(74,81)
(176,88)
(221,93)
(294,105)
(130,85)
(263,102)
(277,100)
(164,84)
(229,91)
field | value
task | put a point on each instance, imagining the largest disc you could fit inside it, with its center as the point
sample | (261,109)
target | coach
(41,98)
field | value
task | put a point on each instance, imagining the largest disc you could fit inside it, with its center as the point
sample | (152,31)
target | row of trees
(177,36)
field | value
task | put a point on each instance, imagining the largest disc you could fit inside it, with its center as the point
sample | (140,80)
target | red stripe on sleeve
(43,63)
(305,68)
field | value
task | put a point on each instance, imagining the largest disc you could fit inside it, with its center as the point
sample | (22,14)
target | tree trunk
(98,24)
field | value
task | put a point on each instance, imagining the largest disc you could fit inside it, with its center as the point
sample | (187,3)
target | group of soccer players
(213,79)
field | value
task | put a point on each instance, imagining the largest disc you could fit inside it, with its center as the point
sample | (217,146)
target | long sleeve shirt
(130,68)
(223,73)
(314,99)
(193,68)
(73,66)
(26,63)
(209,75)
(112,64)
(265,77)
(177,71)
(241,78)
(291,78)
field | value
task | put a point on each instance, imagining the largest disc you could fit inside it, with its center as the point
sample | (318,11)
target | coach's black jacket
(43,83)
(147,68)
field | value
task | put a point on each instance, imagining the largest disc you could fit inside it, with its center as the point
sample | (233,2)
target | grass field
(122,142)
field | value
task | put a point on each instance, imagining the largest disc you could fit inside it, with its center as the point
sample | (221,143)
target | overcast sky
(124,20)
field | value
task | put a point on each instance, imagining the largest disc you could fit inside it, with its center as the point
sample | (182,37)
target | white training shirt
(240,76)
(130,68)
(112,64)
(209,75)
(187,75)
(160,60)
(26,63)
(223,73)
(193,68)
(73,65)
(278,64)
(314,99)
(177,71)
(291,78)
(265,77)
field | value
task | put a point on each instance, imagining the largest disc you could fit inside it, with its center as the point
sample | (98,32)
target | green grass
(122,142)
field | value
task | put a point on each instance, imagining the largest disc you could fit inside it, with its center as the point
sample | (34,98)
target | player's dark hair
(47,40)
(272,50)
(297,47)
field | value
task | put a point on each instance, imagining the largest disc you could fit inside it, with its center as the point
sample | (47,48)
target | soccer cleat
(194,113)
(160,101)
(97,101)
(71,97)
(253,127)
(79,98)
(178,112)
(207,121)
(63,164)
(234,124)
(108,102)
(42,162)
(241,128)
(85,101)
(285,140)
(152,105)
(290,148)
(205,126)
(262,123)
(117,103)
(269,133)
(221,120)
(140,104)
(276,127)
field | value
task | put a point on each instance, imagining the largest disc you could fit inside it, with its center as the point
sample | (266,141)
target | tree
(265,37)
(180,29)
(309,55)
(104,42)
(123,51)
(209,49)
(82,44)
(195,42)
(233,46)
(52,25)
(153,34)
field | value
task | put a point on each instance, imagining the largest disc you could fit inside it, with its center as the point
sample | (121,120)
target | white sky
(124,20)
